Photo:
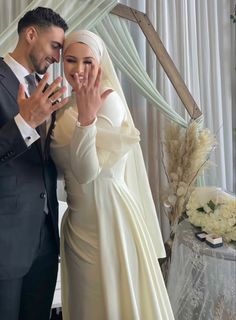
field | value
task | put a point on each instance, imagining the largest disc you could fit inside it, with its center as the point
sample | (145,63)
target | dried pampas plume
(185,154)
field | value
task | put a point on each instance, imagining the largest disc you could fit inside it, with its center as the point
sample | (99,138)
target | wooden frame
(161,54)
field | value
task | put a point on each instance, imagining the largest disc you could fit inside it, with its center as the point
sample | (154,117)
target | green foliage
(211,205)
(233,15)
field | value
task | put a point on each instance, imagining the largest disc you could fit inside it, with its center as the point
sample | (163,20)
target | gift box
(214,240)
(201,235)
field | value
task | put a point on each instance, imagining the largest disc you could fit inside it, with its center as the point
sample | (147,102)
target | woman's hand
(88,97)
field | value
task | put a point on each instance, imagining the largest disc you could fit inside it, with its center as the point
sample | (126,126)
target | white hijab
(136,176)
(96,44)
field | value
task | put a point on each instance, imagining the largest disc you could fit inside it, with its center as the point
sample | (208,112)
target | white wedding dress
(110,269)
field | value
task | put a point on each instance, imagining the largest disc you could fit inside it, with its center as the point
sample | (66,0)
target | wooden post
(162,55)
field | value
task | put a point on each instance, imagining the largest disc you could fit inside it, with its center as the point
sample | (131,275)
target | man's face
(45,49)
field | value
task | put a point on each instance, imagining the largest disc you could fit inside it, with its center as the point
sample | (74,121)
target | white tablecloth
(201,280)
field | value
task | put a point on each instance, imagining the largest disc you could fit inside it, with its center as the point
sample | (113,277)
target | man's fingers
(21,92)
(60,104)
(106,93)
(58,94)
(42,83)
(53,87)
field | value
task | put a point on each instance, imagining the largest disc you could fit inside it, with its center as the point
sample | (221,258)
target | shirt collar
(19,70)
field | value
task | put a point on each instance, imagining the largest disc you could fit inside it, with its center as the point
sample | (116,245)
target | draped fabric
(233,86)
(126,58)
(10,10)
(200,38)
(77,13)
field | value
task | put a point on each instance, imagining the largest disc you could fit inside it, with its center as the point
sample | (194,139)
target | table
(201,280)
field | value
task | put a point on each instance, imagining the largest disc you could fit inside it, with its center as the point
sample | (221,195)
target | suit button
(42,195)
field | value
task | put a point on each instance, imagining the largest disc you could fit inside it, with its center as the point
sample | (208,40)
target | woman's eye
(70,60)
(87,62)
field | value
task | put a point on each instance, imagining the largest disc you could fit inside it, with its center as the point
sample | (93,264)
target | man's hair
(41,17)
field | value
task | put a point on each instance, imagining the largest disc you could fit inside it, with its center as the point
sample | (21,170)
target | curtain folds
(126,58)
(77,13)
(198,36)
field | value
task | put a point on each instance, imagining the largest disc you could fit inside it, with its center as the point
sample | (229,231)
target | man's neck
(20,57)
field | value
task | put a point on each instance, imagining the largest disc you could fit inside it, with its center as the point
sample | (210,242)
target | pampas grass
(185,154)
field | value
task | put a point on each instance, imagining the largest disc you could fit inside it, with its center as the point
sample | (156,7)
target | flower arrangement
(185,154)
(214,211)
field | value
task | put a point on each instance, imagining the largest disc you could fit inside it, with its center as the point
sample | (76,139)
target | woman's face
(76,57)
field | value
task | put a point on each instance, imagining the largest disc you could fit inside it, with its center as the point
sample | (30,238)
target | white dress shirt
(29,134)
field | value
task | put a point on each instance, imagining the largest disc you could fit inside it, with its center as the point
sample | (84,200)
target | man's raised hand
(39,106)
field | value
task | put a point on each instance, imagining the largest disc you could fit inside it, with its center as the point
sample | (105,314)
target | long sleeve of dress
(102,143)
(85,151)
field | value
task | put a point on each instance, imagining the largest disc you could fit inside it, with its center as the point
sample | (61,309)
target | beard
(35,63)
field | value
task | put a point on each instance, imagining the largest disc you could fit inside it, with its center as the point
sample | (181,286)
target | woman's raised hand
(88,96)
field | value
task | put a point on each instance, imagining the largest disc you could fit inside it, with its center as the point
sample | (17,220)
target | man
(29,241)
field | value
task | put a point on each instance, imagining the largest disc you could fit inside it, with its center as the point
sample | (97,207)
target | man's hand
(38,107)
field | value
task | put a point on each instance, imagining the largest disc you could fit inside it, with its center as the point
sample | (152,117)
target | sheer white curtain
(10,10)
(197,35)
(200,38)
(233,86)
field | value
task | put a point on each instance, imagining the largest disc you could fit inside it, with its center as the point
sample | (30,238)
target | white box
(214,240)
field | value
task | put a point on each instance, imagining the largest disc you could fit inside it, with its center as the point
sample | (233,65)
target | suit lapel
(10,83)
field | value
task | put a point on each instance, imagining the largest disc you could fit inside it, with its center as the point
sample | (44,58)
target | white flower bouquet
(214,210)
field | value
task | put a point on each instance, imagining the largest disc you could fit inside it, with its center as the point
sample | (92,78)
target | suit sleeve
(12,144)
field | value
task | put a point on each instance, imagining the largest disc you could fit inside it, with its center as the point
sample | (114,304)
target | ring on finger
(51,100)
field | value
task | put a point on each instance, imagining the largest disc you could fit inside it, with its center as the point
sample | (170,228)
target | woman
(110,239)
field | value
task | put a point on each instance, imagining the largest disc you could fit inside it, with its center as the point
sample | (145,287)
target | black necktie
(30,78)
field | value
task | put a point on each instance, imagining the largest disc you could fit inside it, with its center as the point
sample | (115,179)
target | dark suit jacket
(25,174)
